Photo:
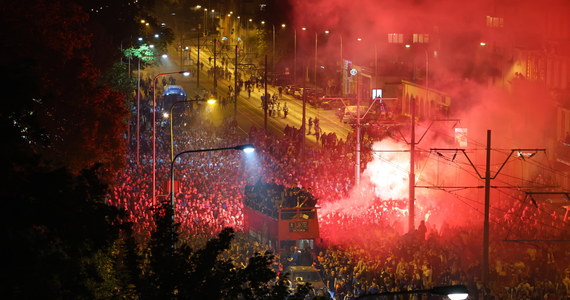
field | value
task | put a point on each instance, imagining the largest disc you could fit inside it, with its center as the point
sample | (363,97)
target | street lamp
(247,148)
(273,52)
(139,100)
(185,73)
(209,101)
(453,292)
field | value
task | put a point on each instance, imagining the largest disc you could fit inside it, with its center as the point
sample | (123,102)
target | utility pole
(235,83)
(265,100)
(485,275)
(488,177)
(412,177)
(357,164)
(304,119)
(214,69)
(316,56)
(198,67)
(295,58)
(342,71)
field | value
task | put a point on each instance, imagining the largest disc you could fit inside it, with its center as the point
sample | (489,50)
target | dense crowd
(213,188)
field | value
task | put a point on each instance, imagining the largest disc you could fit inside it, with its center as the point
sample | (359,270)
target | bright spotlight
(151,46)
(407,46)
(140,39)
(457,296)
(165,115)
(248,148)
(186,73)
(156,35)
(165,56)
(211,101)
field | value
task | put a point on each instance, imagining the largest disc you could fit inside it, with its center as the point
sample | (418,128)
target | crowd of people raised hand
(212,192)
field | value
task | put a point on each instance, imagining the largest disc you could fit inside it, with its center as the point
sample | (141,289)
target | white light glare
(249,150)
(457,296)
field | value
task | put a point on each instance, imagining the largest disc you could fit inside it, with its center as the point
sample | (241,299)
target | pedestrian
(280,89)
(310,125)
(317,132)
(285,110)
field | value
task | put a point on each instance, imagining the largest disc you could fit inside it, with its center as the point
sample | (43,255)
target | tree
(186,273)
(53,88)
(55,225)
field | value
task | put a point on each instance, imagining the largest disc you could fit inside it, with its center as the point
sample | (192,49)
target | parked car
(308,274)
(333,103)
(349,113)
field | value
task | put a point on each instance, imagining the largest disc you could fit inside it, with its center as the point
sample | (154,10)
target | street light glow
(211,101)
(247,148)
(185,73)
(156,35)
(164,56)
(457,296)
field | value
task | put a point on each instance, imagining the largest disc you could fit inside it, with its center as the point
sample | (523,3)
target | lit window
(495,22)
(395,38)
(421,38)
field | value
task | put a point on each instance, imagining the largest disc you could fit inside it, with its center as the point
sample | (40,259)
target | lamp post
(248,148)
(295,57)
(273,52)
(139,101)
(453,292)
(172,120)
(316,55)
(185,73)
